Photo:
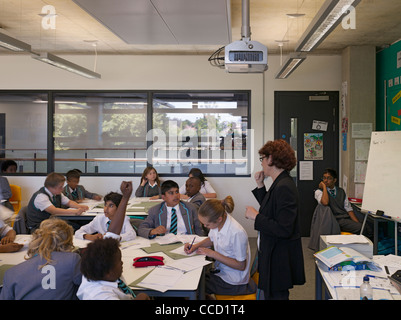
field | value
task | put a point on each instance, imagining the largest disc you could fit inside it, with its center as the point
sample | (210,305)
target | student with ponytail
(231,253)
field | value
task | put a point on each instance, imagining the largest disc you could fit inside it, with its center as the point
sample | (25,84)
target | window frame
(51,94)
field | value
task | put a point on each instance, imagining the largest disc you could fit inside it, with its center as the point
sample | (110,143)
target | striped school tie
(173,226)
(333,192)
(108,225)
(74,195)
(124,288)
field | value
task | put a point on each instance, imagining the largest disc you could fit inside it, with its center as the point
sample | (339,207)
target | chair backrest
(15,199)
(20,222)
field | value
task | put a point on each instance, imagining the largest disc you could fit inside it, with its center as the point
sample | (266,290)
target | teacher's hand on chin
(251,213)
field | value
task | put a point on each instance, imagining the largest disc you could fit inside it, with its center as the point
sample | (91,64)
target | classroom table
(324,283)
(191,285)
(136,208)
(376,220)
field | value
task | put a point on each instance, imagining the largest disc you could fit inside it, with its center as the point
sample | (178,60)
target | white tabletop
(131,249)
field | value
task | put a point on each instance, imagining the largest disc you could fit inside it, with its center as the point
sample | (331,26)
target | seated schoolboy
(97,228)
(51,271)
(76,192)
(335,197)
(9,166)
(101,263)
(101,267)
(7,235)
(48,201)
(171,215)
(193,186)
(5,193)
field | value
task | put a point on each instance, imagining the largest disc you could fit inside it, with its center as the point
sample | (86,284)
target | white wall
(132,72)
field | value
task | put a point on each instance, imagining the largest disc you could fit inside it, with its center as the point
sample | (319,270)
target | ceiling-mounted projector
(244,56)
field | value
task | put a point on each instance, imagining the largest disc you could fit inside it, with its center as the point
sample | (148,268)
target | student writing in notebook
(231,251)
(150,184)
(98,227)
(171,215)
(49,201)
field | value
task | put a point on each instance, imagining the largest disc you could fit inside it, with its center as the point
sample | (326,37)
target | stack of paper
(359,243)
(337,259)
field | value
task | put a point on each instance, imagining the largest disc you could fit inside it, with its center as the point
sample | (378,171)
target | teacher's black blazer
(280,257)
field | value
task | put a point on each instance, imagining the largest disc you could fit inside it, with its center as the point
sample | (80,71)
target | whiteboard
(383,174)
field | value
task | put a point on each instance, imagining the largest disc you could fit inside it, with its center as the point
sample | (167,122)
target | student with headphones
(171,215)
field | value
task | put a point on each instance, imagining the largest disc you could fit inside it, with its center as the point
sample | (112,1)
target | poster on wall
(313,146)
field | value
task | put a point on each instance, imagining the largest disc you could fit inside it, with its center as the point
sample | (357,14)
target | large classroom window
(100,132)
(24,130)
(120,133)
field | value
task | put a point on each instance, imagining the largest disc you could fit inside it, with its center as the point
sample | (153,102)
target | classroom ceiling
(189,27)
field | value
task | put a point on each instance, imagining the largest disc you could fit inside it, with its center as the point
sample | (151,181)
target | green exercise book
(143,206)
(3,269)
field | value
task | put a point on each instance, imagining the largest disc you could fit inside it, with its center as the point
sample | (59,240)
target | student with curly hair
(52,269)
(280,257)
(102,273)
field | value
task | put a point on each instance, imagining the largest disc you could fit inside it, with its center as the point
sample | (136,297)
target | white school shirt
(205,188)
(181,229)
(4,228)
(232,241)
(42,202)
(99,224)
(101,290)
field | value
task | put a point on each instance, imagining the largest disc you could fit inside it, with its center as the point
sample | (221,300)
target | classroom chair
(15,200)
(20,226)
(255,277)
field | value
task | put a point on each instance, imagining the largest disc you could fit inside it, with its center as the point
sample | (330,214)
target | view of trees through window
(123,132)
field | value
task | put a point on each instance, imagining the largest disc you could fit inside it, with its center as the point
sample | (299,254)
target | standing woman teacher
(280,258)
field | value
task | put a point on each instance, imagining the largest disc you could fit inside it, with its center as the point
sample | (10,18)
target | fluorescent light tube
(66,65)
(13,44)
(328,17)
(292,62)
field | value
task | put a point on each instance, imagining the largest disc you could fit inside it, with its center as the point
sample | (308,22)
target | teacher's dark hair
(283,156)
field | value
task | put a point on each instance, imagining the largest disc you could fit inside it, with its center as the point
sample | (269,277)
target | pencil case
(148,261)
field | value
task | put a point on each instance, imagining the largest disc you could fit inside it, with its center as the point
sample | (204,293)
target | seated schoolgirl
(150,184)
(232,255)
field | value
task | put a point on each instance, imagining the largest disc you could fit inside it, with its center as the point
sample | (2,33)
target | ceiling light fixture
(66,65)
(292,62)
(13,44)
(328,17)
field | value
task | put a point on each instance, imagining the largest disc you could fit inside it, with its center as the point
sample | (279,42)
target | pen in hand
(192,243)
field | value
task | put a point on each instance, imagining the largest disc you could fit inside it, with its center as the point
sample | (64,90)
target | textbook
(344,258)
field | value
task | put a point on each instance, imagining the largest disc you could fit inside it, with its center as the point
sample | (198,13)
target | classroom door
(309,122)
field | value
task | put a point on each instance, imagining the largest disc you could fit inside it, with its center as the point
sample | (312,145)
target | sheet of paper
(161,278)
(346,239)
(354,294)
(189,264)
(305,170)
